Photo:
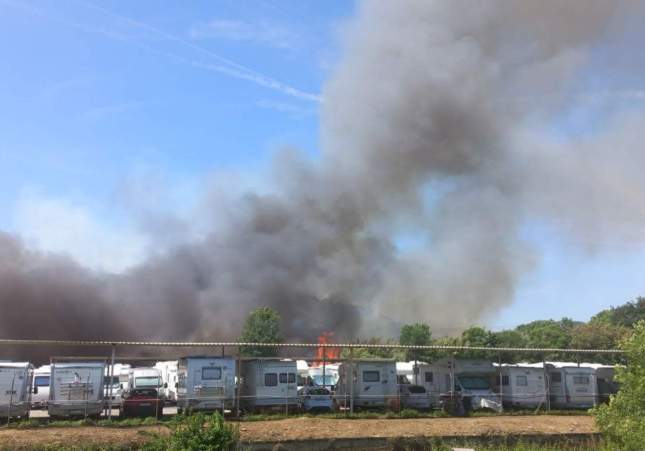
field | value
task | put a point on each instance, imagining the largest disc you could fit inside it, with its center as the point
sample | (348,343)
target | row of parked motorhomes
(87,388)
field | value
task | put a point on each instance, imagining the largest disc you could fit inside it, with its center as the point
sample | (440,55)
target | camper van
(143,397)
(572,386)
(523,385)
(40,387)
(269,384)
(607,385)
(419,374)
(367,383)
(15,389)
(206,383)
(169,378)
(76,389)
(324,377)
(114,386)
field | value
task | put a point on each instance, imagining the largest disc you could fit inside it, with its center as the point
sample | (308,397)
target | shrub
(197,432)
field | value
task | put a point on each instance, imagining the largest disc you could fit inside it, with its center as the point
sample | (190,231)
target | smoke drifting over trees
(433,126)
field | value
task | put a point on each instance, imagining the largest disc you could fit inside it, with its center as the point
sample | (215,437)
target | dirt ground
(313,428)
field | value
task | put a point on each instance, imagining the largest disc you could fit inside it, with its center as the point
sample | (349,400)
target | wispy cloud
(291,110)
(263,33)
(107,110)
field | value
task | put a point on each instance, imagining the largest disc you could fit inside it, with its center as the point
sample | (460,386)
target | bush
(197,432)
(622,419)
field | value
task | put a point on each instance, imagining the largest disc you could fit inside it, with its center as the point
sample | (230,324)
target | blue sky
(102,99)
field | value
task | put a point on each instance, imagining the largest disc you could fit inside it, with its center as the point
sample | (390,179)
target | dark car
(141,402)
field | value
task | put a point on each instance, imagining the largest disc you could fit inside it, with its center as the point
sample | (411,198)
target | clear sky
(111,108)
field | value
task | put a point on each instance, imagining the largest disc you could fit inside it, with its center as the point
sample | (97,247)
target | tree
(621,420)
(598,335)
(625,315)
(416,335)
(477,337)
(510,339)
(261,326)
(374,353)
(547,334)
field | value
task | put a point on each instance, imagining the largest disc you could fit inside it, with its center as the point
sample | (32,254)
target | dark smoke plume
(431,128)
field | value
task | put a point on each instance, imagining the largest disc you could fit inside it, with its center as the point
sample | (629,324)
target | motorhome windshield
(147,381)
(329,379)
(41,381)
(474,383)
(115,380)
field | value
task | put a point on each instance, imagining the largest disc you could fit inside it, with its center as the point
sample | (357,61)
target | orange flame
(324,352)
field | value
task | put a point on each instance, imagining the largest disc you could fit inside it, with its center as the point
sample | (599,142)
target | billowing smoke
(433,131)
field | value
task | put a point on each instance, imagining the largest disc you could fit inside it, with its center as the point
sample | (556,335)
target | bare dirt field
(314,428)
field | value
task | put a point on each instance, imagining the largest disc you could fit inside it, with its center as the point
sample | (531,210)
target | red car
(141,402)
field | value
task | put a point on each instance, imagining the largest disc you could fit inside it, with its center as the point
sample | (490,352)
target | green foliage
(374,353)
(547,334)
(416,335)
(598,335)
(622,419)
(626,315)
(509,339)
(261,326)
(477,337)
(197,432)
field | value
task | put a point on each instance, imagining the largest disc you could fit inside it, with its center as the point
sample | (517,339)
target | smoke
(433,127)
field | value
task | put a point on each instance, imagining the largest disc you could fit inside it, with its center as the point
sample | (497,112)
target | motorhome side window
(371,376)
(292,378)
(283,378)
(270,379)
(581,380)
(521,381)
(556,377)
(211,374)
(429,377)
(504,380)
(41,381)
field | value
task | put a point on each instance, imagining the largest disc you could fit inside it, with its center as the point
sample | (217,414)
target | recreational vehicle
(169,378)
(114,385)
(40,387)
(15,389)
(269,383)
(473,379)
(143,397)
(206,383)
(326,376)
(572,386)
(523,385)
(607,385)
(367,383)
(76,389)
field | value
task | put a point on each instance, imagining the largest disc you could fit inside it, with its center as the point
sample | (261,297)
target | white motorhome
(269,383)
(76,389)
(571,385)
(424,375)
(523,385)
(114,387)
(326,376)
(40,387)
(169,377)
(15,389)
(367,383)
(206,383)
(145,378)
(605,381)
(475,379)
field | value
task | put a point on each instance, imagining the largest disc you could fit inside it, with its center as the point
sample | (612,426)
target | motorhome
(572,385)
(424,375)
(169,378)
(40,387)
(76,389)
(367,383)
(115,384)
(15,389)
(523,385)
(144,396)
(474,379)
(605,381)
(269,384)
(324,376)
(206,383)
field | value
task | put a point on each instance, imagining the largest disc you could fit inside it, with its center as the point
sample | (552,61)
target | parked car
(414,397)
(316,399)
(141,402)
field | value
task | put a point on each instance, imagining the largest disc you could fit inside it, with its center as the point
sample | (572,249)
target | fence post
(351,378)
(547,385)
(501,380)
(13,379)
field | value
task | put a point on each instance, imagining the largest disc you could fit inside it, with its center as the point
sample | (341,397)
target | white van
(76,389)
(15,389)
(367,383)
(40,387)
(169,377)
(206,383)
(269,384)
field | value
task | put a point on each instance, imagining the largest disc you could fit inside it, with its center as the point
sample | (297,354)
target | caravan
(76,389)
(367,383)
(572,385)
(269,383)
(523,385)
(168,371)
(206,383)
(15,389)
(40,387)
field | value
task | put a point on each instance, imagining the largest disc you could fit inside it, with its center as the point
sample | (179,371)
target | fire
(324,352)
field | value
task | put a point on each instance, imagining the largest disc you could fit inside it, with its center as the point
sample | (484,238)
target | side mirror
(165,385)
(36,390)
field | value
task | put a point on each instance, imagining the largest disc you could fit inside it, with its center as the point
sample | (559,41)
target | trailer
(169,377)
(15,389)
(424,375)
(523,385)
(40,387)
(76,389)
(143,397)
(607,385)
(572,385)
(206,383)
(269,383)
(367,384)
